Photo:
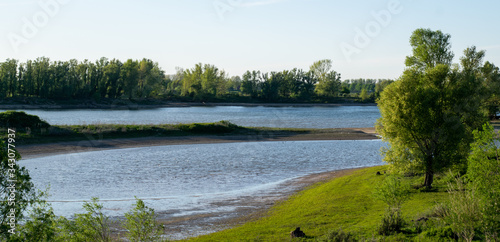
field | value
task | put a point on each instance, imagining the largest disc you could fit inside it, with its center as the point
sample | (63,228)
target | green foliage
(14,180)
(90,226)
(429,113)
(372,88)
(9,85)
(436,233)
(357,85)
(22,121)
(129,75)
(430,48)
(41,225)
(491,75)
(328,80)
(393,191)
(141,224)
(464,213)
(484,174)
(392,222)
(104,80)
(204,81)
(67,80)
(364,95)
(250,83)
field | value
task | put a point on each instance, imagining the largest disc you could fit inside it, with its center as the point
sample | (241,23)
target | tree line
(364,89)
(63,80)
(144,79)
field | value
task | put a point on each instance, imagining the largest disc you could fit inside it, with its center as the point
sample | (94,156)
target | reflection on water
(285,117)
(187,179)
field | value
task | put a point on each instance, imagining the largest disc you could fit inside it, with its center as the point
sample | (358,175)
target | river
(282,117)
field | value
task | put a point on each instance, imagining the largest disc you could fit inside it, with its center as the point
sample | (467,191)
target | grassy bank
(63,133)
(344,203)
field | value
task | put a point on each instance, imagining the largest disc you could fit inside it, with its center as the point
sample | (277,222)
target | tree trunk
(429,178)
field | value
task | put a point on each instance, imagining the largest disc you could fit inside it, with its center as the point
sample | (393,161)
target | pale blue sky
(240,35)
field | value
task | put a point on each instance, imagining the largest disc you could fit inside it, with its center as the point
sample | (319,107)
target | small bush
(141,223)
(440,210)
(392,222)
(90,226)
(394,192)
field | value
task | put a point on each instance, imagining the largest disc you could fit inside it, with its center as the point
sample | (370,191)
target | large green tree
(204,81)
(328,79)
(429,49)
(427,116)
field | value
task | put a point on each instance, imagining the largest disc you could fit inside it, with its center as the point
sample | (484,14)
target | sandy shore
(40,150)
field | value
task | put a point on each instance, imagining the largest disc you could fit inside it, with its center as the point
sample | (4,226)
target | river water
(181,180)
(283,117)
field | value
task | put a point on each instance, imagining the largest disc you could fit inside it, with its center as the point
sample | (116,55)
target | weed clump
(339,236)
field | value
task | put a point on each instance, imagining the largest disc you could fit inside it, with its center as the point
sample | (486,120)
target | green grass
(343,203)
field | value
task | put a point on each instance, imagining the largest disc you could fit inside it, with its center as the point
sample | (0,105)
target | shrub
(141,223)
(394,193)
(90,226)
(392,222)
